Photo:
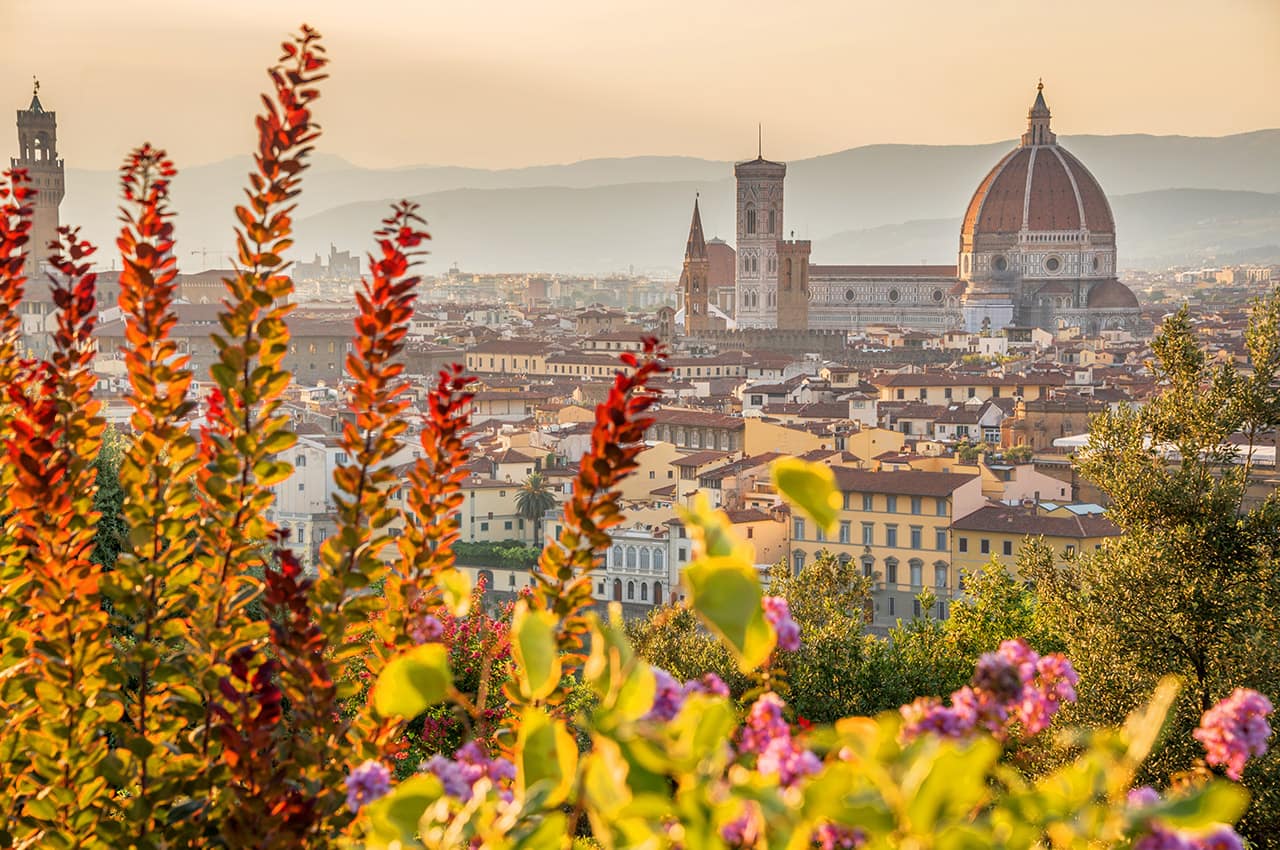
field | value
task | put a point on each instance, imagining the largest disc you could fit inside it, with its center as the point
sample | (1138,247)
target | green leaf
(726,594)
(548,756)
(533,646)
(455,587)
(413,682)
(809,486)
(1217,802)
(394,819)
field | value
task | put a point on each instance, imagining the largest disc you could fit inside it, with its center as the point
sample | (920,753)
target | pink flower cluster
(768,735)
(833,836)
(778,613)
(1235,729)
(1013,684)
(1158,837)
(670,695)
(744,830)
(367,783)
(469,765)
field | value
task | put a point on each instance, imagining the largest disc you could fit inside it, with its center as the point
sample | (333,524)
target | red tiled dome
(1111,294)
(1039,188)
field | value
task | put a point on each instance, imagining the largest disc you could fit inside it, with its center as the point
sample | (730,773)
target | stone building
(38,154)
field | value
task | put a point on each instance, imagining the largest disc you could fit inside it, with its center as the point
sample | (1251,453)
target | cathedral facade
(1037,249)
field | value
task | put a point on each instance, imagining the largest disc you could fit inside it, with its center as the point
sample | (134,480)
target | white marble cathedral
(1037,248)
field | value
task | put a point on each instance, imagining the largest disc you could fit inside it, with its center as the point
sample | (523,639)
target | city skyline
(518,86)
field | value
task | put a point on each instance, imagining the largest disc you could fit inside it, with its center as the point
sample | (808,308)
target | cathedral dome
(1038,187)
(1110,295)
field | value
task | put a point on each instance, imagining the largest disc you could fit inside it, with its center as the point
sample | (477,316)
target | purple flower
(1162,839)
(451,775)
(744,830)
(1224,838)
(427,630)
(367,783)
(764,724)
(667,699)
(928,714)
(1142,797)
(999,677)
(778,613)
(710,684)
(834,836)
(787,760)
(1235,729)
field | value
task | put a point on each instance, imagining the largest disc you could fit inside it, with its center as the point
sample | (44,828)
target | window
(682,553)
(917,534)
(751,220)
(868,533)
(600,588)
(300,461)
(985,546)
(1008,547)
(846,531)
(891,535)
(902,394)
(940,575)
(631,590)
(797,528)
(917,573)
(773,220)
(867,504)
(963,544)
(917,505)
(891,504)
(941,507)
(891,571)
(973,391)
(797,559)
(868,567)
(1071,550)
(484,526)
(915,607)
(301,486)
(946,393)
(644,592)
(892,606)
(940,539)
(507,525)
(819,534)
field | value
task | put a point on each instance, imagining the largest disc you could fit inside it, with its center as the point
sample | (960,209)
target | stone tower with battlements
(793,284)
(759,203)
(38,154)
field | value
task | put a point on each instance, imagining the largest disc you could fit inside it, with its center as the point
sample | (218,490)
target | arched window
(617,590)
(659,559)
(917,572)
(868,566)
(617,556)
(773,218)
(797,560)
(657,593)
(940,574)
(631,559)
(631,590)
(891,570)
(644,559)
(751,219)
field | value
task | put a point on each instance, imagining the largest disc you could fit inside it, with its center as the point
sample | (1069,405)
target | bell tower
(695,277)
(760,185)
(38,154)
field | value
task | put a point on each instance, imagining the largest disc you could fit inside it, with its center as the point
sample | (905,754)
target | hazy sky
(496,83)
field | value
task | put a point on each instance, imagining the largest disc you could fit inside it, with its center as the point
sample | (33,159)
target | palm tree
(534,498)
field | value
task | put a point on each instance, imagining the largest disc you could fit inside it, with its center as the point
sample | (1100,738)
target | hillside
(611,214)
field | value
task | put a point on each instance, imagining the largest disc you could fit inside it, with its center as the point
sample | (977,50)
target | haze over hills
(879,203)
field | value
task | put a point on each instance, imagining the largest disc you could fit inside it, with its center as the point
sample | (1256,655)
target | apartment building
(897,527)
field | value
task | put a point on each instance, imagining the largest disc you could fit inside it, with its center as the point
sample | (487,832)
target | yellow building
(896,525)
(1001,531)
(942,388)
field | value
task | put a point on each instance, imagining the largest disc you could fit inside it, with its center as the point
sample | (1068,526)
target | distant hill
(1154,230)
(611,214)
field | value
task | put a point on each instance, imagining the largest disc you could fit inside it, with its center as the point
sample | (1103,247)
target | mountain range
(1177,200)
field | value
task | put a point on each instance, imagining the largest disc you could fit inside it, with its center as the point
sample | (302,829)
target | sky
(499,84)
